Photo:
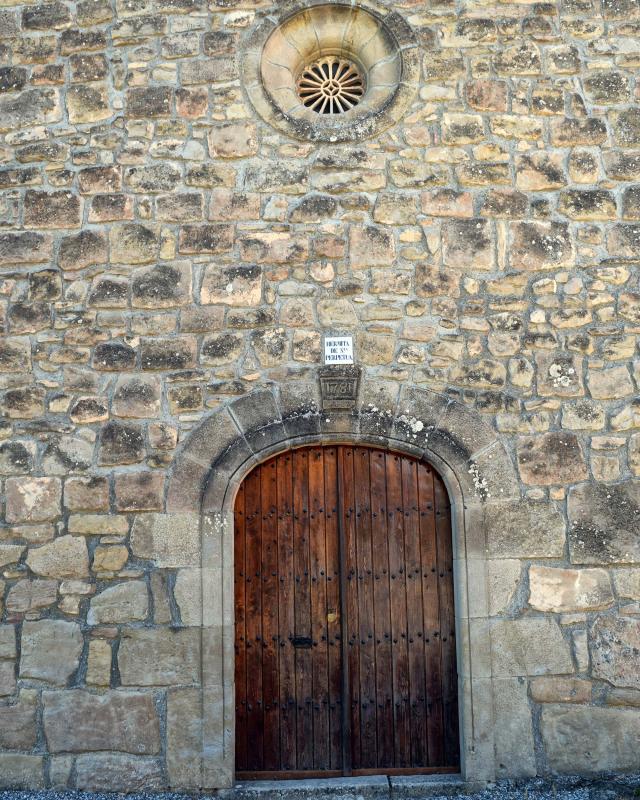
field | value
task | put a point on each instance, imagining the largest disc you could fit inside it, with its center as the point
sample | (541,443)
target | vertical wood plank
(270,678)
(319,654)
(447,623)
(415,622)
(253,579)
(286,661)
(352,622)
(240,631)
(302,608)
(366,628)
(382,609)
(334,622)
(431,606)
(400,654)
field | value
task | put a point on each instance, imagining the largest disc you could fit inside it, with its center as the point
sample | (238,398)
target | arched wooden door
(345,641)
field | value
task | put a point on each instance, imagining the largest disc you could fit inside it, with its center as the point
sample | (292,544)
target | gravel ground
(601,788)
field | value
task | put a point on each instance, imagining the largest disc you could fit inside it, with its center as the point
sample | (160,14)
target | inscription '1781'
(339,387)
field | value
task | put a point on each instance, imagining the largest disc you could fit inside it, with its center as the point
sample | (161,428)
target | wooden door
(345,639)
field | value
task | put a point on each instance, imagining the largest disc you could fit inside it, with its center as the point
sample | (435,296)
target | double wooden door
(345,641)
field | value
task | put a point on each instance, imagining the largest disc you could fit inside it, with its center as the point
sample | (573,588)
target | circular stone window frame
(361,122)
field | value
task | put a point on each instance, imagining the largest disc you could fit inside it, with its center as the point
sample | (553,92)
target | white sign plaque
(338,350)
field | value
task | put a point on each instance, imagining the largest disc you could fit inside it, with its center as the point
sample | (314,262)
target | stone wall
(164,252)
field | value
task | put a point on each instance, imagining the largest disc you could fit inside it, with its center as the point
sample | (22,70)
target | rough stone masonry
(169,263)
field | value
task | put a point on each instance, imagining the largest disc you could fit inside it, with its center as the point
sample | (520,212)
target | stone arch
(226,446)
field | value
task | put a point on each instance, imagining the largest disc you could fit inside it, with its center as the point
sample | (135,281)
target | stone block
(529,646)
(550,689)
(187,592)
(18,722)
(232,286)
(139,491)
(19,771)
(99,663)
(549,459)
(221,348)
(124,602)
(503,580)
(524,530)
(109,558)
(161,286)
(515,754)
(587,740)
(7,641)
(33,499)
(8,684)
(371,247)
(113,772)
(170,540)
(610,384)
(569,590)
(15,354)
(541,245)
(604,523)
(86,494)
(159,657)
(88,103)
(627,582)
(184,737)
(149,101)
(52,209)
(64,557)
(233,140)
(24,403)
(137,396)
(559,375)
(614,644)
(26,597)
(467,244)
(77,721)
(51,650)
(29,108)
(98,525)
(132,243)
(540,171)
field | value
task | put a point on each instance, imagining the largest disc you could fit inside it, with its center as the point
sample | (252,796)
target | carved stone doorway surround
(225,447)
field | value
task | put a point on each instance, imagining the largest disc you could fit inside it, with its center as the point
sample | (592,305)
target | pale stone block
(115,772)
(7,678)
(64,557)
(524,530)
(504,579)
(188,594)
(60,771)
(566,590)
(99,663)
(50,650)
(21,771)
(627,582)
(588,739)
(549,689)
(124,602)
(184,738)
(7,641)
(614,644)
(515,755)
(171,540)
(77,721)
(529,646)
(580,649)
(159,657)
